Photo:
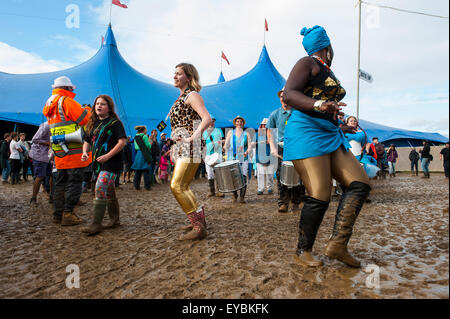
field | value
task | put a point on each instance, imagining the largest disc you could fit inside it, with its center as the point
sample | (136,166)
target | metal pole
(110,13)
(359,59)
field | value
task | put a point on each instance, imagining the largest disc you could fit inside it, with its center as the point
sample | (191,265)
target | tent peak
(221,78)
(264,56)
(110,39)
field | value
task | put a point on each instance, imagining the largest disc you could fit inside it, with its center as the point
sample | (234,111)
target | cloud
(439,125)
(14,60)
(82,50)
(406,54)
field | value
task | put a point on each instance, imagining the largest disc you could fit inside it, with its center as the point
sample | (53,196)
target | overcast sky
(406,54)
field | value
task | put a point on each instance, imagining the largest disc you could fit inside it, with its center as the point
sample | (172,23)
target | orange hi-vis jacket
(65,116)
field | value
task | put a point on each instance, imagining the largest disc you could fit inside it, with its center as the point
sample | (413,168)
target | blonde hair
(192,74)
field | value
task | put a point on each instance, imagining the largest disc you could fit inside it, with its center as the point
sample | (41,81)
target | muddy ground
(248,252)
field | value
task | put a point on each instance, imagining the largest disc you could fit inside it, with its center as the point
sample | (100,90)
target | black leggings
(15,170)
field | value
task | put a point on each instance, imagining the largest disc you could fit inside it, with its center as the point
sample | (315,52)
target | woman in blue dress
(238,145)
(360,147)
(315,142)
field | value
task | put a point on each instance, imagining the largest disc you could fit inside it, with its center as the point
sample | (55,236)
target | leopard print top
(184,120)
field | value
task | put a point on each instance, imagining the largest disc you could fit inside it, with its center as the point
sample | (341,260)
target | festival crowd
(81,148)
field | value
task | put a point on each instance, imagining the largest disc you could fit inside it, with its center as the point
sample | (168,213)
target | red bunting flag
(267,25)
(117,3)
(225,58)
(103,40)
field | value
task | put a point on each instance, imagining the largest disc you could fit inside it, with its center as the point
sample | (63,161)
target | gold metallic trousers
(317,172)
(183,174)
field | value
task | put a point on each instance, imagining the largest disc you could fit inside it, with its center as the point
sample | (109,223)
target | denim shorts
(42,169)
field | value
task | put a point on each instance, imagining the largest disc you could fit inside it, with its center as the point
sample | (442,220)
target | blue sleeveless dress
(310,133)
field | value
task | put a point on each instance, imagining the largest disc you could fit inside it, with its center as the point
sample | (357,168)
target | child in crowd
(106,135)
(163,168)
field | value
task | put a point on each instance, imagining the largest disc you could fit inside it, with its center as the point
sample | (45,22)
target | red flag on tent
(103,40)
(117,3)
(266,25)
(225,58)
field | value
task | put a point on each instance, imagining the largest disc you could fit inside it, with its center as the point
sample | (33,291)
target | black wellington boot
(310,220)
(346,214)
(242,194)
(212,188)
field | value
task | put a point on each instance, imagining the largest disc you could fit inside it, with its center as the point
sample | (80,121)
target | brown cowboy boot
(346,214)
(190,226)
(99,212)
(198,226)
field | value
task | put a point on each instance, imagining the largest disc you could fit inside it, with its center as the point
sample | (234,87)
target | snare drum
(229,176)
(288,174)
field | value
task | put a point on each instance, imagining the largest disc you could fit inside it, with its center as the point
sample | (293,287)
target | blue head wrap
(315,39)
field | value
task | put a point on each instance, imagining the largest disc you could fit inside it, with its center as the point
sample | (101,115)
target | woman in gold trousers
(189,118)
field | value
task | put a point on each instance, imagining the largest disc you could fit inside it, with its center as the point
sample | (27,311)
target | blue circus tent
(252,95)
(141,100)
(401,138)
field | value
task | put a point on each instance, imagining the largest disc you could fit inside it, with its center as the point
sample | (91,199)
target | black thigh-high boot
(348,210)
(310,220)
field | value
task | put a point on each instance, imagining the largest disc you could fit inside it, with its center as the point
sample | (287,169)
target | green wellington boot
(113,213)
(99,213)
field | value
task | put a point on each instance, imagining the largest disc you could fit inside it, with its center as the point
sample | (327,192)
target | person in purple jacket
(39,153)
(392,156)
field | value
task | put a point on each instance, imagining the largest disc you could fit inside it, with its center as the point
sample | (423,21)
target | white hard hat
(264,121)
(63,81)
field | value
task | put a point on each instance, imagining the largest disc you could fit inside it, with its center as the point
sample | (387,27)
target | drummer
(238,147)
(264,162)
(276,124)
(213,140)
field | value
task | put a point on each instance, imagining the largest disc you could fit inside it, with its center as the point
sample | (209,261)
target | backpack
(372,151)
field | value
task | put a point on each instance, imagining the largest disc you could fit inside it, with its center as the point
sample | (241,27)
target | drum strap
(235,143)
(212,142)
